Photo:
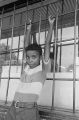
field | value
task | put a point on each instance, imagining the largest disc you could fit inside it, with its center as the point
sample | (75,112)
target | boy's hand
(29,25)
(51,20)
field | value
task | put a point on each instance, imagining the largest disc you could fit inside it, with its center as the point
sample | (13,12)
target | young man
(32,79)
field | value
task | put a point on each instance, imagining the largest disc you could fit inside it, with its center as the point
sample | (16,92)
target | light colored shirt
(27,85)
(30,85)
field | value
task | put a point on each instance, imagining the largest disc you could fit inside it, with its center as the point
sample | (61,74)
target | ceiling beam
(6,2)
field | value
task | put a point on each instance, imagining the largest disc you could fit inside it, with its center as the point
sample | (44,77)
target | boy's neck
(35,66)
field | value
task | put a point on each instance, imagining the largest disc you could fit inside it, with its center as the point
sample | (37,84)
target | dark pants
(22,113)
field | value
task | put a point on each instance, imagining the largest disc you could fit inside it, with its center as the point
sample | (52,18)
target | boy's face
(32,58)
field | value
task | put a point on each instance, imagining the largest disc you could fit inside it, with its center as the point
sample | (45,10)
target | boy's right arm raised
(48,39)
(27,37)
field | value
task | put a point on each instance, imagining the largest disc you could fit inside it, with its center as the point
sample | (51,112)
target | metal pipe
(74,70)
(18,51)
(39,29)
(19,42)
(46,22)
(32,34)
(26,19)
(6,49)
(1,22)
(0,35)
(10,56)
(41,5)
(61,37)
(53,87)
(78,39)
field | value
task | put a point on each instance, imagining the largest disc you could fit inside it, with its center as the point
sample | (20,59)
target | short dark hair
(35,47)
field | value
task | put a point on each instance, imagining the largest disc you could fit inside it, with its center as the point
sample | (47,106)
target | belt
(24,105)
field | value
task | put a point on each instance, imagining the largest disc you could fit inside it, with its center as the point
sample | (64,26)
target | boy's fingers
(29,20)
(51,19)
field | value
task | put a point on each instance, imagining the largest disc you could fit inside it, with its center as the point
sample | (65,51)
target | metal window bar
(78,34)
(40,22)
(6,50)
(46,21)
(33,36)
(53,87)
(18,51)
(1,22)
(25,35)
(1,32)
(19,42)
(78,40)
(39,29)
(32,20)
(61,36)
(10,55)
(74,70)
(33,33)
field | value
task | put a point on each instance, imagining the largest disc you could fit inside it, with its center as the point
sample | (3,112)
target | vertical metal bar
(78,35)
(25,35)
(18,50)
(78,39)
(56,37)
(33,36)
(61,37)
(6,48)
(32,21)
(40,22)
(1,33)
(39,29)
(10,55)
(74,71)
(46,22)
(1,22)
(19,41)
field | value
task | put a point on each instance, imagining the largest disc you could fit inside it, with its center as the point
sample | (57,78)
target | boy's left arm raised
(27,37)
(48,39)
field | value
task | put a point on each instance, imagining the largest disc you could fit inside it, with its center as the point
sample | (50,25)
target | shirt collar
(29,71)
